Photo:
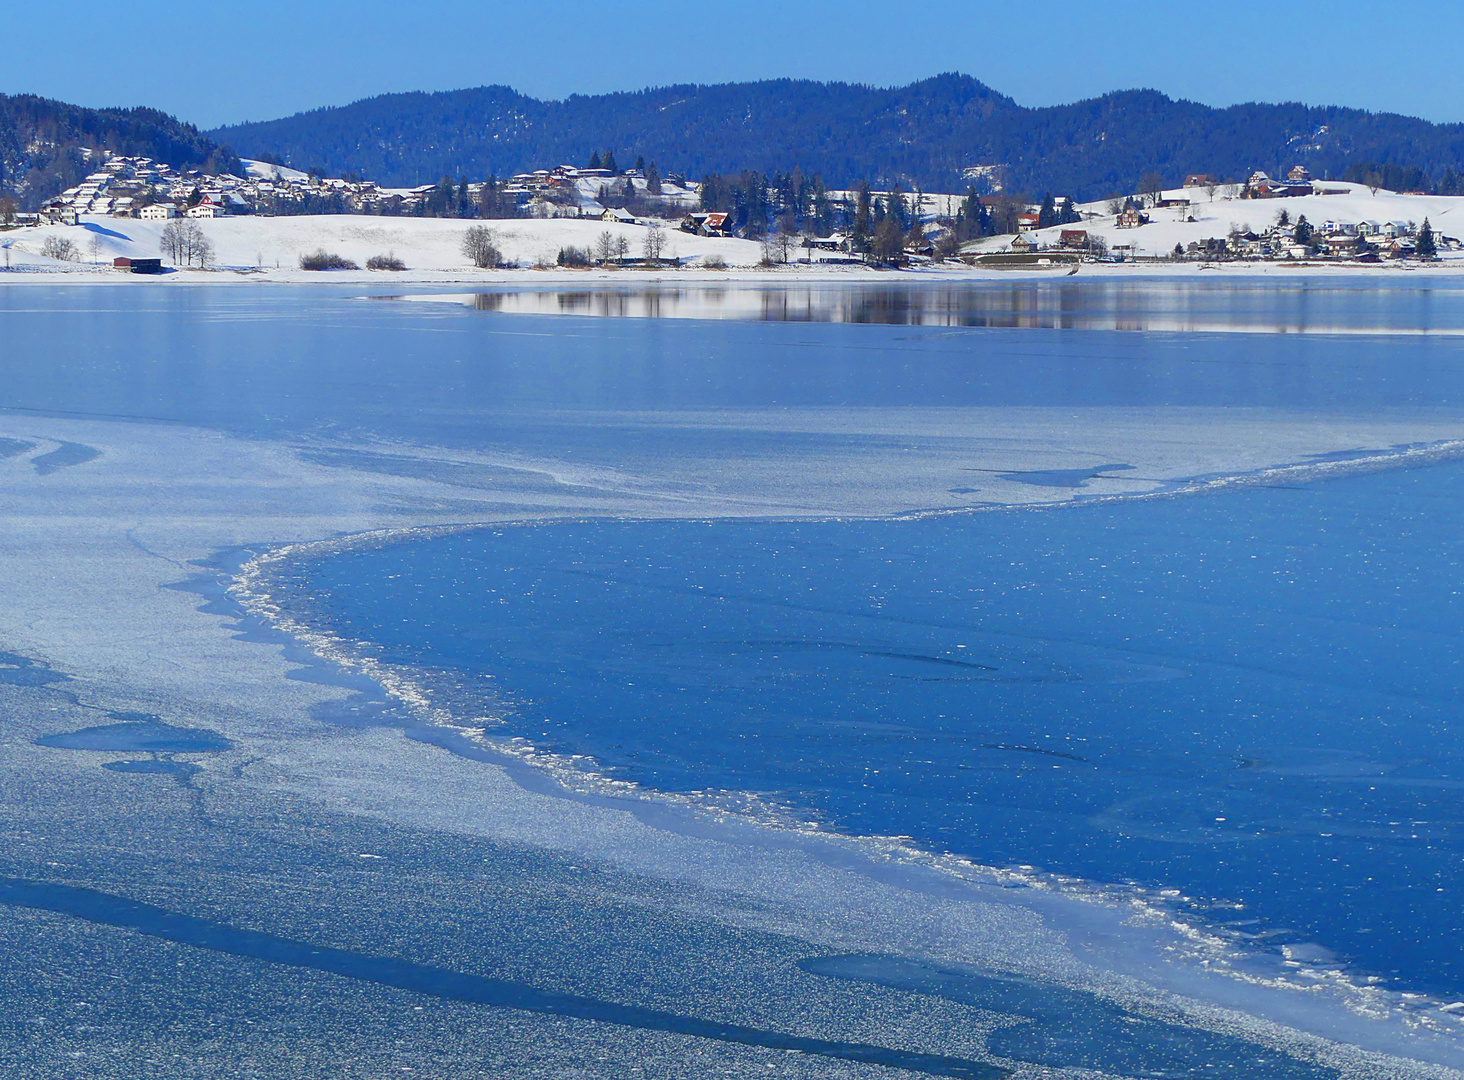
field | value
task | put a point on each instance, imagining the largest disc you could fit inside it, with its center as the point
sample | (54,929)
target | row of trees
(480,246)
(1394,177)
(184,244)
(649,170)
(449,199)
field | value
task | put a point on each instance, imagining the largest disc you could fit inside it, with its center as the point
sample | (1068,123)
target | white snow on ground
(270,247)
(275,244)
(263,170)
(1214,218)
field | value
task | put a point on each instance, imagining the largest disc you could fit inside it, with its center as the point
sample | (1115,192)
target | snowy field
(273,246)
(1215,217)
(262,248)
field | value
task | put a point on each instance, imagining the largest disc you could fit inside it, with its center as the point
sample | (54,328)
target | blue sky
(218,63)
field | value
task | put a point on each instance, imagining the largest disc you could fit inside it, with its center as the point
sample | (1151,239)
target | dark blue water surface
(1251,696)
(287,360)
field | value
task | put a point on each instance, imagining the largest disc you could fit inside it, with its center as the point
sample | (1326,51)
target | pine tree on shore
(862,228)
(1427,247)
(1047,214)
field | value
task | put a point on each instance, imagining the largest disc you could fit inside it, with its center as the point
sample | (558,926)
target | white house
(624,217)
(158,212)
(205,210)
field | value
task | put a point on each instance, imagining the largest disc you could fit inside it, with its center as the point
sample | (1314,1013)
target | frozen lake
(783,679)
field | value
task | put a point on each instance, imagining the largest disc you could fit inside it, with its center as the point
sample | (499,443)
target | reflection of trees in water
(1022,304)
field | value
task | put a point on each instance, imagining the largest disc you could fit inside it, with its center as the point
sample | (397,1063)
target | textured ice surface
(1191,692)
(236,423)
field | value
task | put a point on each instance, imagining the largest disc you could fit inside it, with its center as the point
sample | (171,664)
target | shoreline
(1449,270)
(96,551)
(1148,915)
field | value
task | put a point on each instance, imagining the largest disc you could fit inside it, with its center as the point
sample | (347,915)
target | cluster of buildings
(1366,241)
(138,187)
(570,191)
(1291,237)
(142,188)
(121,187)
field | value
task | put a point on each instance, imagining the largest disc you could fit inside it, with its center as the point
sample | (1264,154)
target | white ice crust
(88,552)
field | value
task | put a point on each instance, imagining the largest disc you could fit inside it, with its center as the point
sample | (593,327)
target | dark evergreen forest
(923,135)
(41,143)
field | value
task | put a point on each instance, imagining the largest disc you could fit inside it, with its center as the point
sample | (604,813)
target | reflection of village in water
(1056,304)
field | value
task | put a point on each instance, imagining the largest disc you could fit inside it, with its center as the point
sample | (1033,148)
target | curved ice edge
(1420,1027)
(1408,456)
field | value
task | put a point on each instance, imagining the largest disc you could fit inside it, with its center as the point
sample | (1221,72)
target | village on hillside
(792,220)
(130,187)
(1328,220)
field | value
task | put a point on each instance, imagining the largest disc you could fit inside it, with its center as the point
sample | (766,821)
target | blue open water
(1251,696)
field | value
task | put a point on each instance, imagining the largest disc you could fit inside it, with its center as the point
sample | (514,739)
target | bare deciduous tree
(182,241)
(7,210)
(94,246)
(655,243)
(1211,188)
(59,248)
(947,245)
(170,241)
(1151,186)
(200,249)
(480,246)
(607,247)
(788,240)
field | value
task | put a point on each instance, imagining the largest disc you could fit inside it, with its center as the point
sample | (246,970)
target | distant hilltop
(47,146)
(948,134)
(139,187)
(945,133)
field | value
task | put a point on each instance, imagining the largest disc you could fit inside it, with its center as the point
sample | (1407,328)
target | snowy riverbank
(255,249)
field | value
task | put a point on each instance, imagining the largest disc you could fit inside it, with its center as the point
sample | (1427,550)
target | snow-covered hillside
(424,244)
(1354,204)
(431,248)
(263,170)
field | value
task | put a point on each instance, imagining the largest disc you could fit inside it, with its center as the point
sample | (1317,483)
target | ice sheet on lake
(453,421)
(90,554)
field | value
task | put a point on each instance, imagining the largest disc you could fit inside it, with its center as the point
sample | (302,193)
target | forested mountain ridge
(406,139)
(926,134)
(41,144)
